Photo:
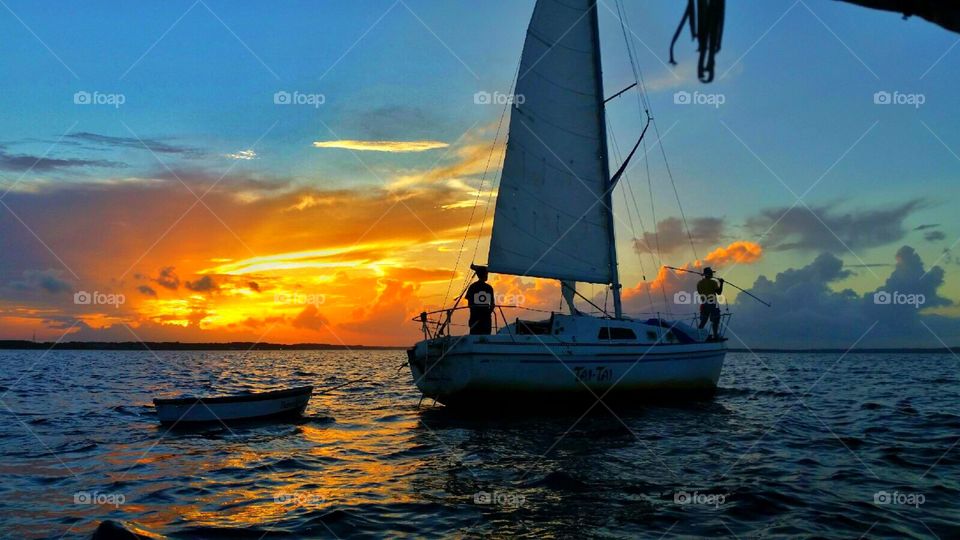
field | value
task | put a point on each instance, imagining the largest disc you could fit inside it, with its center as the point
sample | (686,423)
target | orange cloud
(383,146)
(740,252)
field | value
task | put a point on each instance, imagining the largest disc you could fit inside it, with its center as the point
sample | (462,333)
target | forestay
(551,218)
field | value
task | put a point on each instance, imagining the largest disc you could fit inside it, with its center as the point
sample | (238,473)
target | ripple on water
(366,463)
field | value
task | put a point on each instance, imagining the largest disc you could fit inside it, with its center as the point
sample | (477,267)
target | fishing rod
(748,293)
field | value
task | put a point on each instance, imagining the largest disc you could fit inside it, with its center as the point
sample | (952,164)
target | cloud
(254,286)
(310,319)
(671,235)
(25,162)
(244,155)
(926,226)
(825,228)
(740,252)
(383,146)
(204,284)
(147,290)
(49,280)
(389,314)
(934,236)
(154,145)
(808,312)
(168,278)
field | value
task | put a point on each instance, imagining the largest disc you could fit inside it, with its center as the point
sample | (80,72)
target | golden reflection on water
(246,490)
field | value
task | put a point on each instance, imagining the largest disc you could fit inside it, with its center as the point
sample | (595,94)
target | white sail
(552,219)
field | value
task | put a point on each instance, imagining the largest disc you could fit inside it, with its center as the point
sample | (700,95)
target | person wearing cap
(480,300)
(709,291)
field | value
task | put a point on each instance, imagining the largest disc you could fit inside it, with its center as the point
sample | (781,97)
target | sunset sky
(307,174)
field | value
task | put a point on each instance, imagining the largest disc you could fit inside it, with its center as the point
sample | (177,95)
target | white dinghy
(554,220)
(239,407)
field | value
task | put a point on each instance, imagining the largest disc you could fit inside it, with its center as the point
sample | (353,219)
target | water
(793,445)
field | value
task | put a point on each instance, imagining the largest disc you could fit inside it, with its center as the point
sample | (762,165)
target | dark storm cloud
(825,228)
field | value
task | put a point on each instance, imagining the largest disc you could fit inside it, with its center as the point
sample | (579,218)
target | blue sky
(798,80)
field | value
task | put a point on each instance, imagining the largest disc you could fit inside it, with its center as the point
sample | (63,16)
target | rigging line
(633,230)
(486,209)
(642,98)
(643,89)
(476,201)
(656,234)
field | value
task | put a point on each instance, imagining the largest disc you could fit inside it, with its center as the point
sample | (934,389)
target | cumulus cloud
(826,228)
(808,313)
(739,252)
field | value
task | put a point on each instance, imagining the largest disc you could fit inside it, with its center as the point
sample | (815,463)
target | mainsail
(552,217)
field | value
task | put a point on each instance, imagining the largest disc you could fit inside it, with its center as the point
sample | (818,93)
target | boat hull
(197,410)
(486,370)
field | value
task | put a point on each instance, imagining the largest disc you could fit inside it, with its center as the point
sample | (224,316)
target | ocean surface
(793,445)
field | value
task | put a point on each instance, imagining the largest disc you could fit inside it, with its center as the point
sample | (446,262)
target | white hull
(460,369)
(233,408)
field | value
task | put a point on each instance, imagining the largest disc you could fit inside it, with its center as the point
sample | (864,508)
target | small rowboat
(198,410)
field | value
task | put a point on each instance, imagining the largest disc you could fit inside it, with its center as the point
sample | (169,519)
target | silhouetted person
(709,290)
(480,300)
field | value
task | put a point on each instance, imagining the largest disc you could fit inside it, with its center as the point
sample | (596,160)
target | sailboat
(554,220)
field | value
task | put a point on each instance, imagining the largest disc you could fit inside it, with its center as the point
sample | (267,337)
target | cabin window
(617,333)
(651,335)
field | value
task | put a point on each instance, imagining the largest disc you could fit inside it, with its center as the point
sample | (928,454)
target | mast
(608,192)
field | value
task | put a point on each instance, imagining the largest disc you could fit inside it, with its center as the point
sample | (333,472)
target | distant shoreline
(250,346)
